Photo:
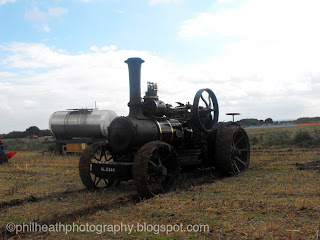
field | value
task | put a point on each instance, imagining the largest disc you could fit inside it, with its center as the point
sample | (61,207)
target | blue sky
(260,57)
(76,25)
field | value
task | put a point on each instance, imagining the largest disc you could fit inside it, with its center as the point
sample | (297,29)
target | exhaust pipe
(135,105)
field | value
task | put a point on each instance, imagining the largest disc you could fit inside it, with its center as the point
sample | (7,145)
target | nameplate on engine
(112,169)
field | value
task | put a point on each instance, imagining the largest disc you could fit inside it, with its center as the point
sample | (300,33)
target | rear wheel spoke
(234,164)
(161,187)
(243,149)
(170,175)
(236,143)
(239,160)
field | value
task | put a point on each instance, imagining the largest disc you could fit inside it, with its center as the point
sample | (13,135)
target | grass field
(272,200)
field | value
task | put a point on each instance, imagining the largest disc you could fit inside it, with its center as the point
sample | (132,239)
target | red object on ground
(11,154)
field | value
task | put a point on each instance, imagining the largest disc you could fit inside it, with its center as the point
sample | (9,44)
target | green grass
(304,137)
(25,144)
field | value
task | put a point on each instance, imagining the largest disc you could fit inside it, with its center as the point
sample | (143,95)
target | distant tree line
(254,121)
(308,119)
(33,130)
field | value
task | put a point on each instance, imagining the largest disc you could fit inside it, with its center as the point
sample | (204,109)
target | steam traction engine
(156,141)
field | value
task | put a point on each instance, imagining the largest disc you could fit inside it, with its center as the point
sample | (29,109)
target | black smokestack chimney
(134,65)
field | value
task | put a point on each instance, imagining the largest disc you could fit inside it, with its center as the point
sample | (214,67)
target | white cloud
(155,2)
(46,29)
(104,48)
(35,14)
(94,48)
(58,81)
(56,12)
(34,56)
(257,19)
(201,25)
(41,19)
(109,48)
(52,80)
(271,50)
(6,1)
(7,74)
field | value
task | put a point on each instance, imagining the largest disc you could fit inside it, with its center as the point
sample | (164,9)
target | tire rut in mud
(31,198)
(79,213)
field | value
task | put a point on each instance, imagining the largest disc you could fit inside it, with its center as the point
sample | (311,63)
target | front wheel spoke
(105,180)
(101,154)
(166,158)
(96,183)
(159,160)
(105,156)
(233,146)
(157,156)
(152,183)
(152,179)
(152,163)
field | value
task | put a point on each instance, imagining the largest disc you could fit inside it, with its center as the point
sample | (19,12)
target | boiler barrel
(82,123)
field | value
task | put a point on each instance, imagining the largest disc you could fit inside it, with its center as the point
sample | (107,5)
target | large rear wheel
(232,150)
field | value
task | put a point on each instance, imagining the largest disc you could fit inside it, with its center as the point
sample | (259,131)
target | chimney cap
(134,59)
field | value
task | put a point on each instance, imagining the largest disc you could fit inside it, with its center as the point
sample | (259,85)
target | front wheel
(99,151)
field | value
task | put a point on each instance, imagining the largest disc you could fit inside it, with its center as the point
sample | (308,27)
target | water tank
(81,123)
